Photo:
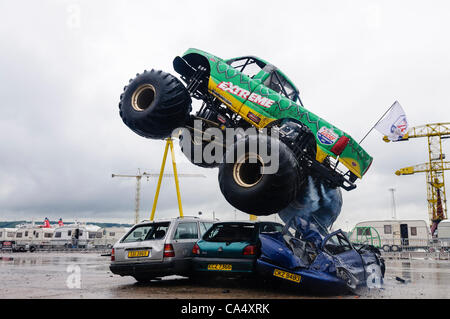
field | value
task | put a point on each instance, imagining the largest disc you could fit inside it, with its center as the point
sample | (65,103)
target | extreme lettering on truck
(252,97)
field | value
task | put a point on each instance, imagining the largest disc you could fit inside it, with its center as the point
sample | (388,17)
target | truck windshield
(147,232)
(277,82)
(247,65)
(230,233)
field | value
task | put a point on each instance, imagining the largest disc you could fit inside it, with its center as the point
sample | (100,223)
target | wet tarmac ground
(87,275)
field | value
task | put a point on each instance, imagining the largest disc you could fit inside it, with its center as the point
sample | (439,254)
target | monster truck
(244,92)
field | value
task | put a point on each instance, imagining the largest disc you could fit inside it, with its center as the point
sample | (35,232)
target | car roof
(184,218)
(247,222)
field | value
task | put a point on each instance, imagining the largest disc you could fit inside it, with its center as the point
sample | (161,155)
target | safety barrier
(416,248)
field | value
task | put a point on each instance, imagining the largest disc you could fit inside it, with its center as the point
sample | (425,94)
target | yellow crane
(138,185)
(434,169)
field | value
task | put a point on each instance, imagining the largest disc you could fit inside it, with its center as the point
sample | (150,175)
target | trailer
(7,238)
(393,235)
(443,234)
(31,237)
(106,237)
(76,235)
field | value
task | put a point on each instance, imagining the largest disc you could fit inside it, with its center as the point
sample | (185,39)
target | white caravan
(77,235)
(393,235)
(7,238)
(108,236)
(30,237)
(443,233)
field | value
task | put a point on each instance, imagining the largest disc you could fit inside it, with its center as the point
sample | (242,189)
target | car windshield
(230,232)
(270,228)
(147,232)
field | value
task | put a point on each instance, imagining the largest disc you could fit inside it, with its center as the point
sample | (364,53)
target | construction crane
(434,169)
(138,186)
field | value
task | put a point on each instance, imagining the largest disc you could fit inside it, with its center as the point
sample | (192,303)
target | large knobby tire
(243,185)
(154,104)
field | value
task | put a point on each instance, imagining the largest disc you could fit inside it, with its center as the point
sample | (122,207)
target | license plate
(226,267)
(138,253)
(286,275)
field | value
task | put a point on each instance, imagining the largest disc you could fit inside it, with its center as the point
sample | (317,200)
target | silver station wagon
(158,248)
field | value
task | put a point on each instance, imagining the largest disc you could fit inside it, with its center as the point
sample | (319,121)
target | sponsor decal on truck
(327,136)
(246,95)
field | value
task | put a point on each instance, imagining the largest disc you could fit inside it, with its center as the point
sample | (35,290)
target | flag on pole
(394,125)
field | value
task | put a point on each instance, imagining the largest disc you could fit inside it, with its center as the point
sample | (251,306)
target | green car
(231,248)
(245,93)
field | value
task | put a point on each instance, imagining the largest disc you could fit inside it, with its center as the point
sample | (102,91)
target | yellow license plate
(138,253)
(226,267)
(286,275)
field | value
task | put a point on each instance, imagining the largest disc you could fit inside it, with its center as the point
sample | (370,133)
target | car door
(339,247)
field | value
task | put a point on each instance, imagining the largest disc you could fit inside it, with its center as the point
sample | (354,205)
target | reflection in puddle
(50,260)
(406,270)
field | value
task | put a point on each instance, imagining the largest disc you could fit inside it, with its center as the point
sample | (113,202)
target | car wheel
(246,188)
(395,248)
(386,248)
(349,279)
(154,104)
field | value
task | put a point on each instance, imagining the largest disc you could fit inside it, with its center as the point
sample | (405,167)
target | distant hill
(12,224)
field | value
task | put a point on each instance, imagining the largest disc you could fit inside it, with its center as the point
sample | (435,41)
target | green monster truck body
(245,92)
(270,96)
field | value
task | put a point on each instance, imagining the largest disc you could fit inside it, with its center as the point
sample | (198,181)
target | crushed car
(300,254)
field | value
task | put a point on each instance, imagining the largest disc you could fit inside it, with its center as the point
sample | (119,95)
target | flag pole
(377,122)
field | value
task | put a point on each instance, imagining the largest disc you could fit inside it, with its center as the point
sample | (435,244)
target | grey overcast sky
(63,65)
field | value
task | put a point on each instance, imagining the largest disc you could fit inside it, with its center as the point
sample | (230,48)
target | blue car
(302,256)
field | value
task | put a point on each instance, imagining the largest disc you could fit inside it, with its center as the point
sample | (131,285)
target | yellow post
(155,201)
(169,140)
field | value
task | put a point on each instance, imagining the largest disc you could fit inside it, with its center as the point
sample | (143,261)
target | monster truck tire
(244,187)
(154,104)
